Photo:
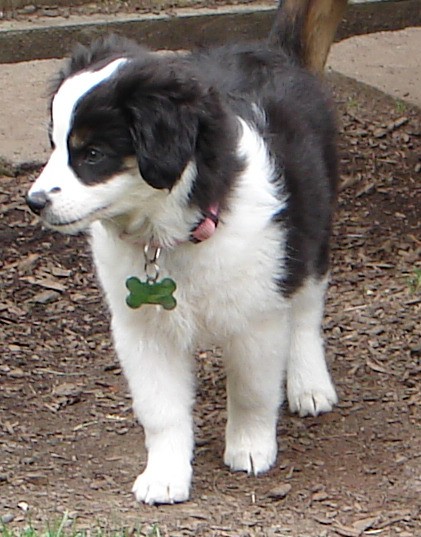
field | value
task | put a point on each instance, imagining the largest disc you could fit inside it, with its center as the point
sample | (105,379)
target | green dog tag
(160,293)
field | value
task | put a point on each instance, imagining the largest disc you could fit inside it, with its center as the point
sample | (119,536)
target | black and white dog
(216,169)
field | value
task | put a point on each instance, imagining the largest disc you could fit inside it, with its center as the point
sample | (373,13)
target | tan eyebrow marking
(79,138)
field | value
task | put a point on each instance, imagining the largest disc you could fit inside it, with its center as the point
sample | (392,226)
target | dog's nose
(37,201)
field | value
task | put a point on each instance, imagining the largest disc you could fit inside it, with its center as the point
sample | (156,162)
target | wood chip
(45,297)
(67,389)
(280,492)
(47,283)
(346,531)
(365,523)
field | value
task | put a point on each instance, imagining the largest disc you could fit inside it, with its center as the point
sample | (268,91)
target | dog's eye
(93,155)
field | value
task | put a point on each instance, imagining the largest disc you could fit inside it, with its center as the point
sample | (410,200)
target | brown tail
(306,29)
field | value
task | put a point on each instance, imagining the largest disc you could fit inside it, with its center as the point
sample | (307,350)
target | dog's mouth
(69,228)
(76,225)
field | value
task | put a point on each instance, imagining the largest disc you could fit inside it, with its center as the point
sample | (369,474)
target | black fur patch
(98,129)
(299,128)
(156,110)
(95,56)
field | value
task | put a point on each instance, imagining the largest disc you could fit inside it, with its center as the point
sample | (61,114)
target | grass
(6,168)
(352,103)
(66,527)
(400,106)
(415,281)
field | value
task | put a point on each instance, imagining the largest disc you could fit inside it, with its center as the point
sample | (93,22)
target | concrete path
(390,61)
(24,112)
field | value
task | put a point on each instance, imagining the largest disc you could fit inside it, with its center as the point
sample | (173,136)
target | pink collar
(207,226)
(202,231)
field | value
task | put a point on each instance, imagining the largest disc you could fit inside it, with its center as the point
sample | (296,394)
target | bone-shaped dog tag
(159,293)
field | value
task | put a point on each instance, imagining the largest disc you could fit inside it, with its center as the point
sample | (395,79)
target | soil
(68,439)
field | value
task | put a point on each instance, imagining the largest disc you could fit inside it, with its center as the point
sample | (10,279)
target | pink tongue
(204,230)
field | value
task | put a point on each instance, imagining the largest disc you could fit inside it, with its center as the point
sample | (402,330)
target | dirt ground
(68,439)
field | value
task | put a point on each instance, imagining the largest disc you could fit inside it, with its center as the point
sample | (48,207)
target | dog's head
(124,127)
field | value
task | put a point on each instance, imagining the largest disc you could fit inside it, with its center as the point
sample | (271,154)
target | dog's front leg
(162,387)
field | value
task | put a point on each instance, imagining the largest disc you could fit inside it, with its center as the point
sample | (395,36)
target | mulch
(69,442)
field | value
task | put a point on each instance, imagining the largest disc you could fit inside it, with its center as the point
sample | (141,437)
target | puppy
(206,182)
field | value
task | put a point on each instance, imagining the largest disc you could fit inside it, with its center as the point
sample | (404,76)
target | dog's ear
(103,49)
(164,136)
(164,123)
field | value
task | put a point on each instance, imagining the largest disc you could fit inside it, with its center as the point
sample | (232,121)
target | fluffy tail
(306,28)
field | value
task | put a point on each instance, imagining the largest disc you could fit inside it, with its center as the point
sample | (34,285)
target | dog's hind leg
(309,387)
(255,363)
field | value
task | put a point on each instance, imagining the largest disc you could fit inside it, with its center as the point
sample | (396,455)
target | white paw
(153,487)
(312,400)
(254,456)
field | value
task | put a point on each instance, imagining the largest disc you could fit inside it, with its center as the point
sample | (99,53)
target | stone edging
(189,28)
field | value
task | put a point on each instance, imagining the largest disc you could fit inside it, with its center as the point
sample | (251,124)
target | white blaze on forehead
(70,92)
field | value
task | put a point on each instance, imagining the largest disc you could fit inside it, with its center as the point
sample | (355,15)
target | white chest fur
(223,282)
